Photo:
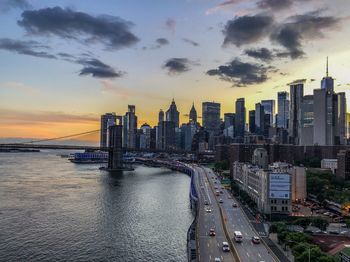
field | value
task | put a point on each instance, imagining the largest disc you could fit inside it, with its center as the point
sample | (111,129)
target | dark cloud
(191,42)
(263,54)
(98,69)
(162,41)
(274,4)
(31,48)
(241,73)
(111,31)
(170,24)
(177,65)
(300,28)
(247,29)
(6,5)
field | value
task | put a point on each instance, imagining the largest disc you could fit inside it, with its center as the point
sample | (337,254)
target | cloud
(177,65)
(98,69)
(162,41)
(247,29)
(31,48)
(21,87)
(9,116)
(274,4)
(191,42)
(241,73)
(263,54)
(6,5)
(170,24)
(109,87)
(300,28)
(111,31)
(221,6)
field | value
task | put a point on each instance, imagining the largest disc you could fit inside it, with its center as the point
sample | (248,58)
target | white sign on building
(279,186)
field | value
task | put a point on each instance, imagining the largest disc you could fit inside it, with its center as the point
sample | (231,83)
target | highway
(210,247)
(236,220)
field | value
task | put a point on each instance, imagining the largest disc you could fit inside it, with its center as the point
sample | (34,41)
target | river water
(53,210)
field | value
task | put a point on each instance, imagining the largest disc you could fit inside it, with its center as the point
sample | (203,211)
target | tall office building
(342,118)
(167,135)
(193,114)
(145,136)
(259,119)
(307,121)
(240,117)
(252,121)
(327,82)
(107,120)
(269,109)
(296,100)
(211,116)
(229,120)
(160,116)
(282,110)
(130,128)
(172,114)
(211,120)
(330,114)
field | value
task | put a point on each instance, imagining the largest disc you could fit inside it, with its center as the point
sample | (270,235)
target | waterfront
(51,209)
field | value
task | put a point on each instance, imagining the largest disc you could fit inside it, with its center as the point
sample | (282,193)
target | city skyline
(49,86)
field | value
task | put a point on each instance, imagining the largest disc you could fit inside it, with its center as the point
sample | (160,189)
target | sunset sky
(64,63)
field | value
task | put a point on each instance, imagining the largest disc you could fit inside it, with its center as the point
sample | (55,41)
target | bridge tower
(115,155)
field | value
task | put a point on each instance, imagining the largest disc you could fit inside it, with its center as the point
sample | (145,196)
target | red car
(212,232)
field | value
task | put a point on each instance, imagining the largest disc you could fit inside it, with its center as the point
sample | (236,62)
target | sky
(64,63)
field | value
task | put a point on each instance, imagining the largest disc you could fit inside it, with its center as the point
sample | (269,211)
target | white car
(208,210)
(217,259)
(225,247)
(221,201)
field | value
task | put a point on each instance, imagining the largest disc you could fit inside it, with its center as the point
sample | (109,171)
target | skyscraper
(211,116)
(259,119)
(107,120)
(193,114)
(283,110)
(211,120)
(330,114)
(307,121)
(252,121)
(342,118)
(240,117)
(296,99)
(172,114)
(130,128)
(229,120)
(269,109)
(327,82)
(161,116)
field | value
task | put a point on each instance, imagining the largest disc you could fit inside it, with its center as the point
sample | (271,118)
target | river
(54,210)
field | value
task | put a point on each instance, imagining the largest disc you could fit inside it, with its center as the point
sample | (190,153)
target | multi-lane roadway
(234,219)
(209,247)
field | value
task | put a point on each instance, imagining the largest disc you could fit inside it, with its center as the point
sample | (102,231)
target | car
(221,201)
(225,247)
(217,259)
(212,232)
(214,182)
(208,210)
(256,240)
(238,237)
(206,202)
(229,197)
(221,192)
(234,205)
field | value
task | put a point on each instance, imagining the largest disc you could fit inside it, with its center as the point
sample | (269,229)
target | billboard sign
(279,186)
